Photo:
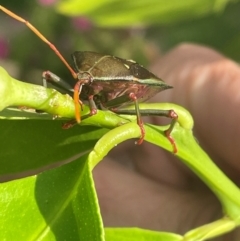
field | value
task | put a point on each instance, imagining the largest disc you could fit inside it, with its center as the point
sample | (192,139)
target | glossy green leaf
(137,234)
(59,204)
(29,146)
(139,12)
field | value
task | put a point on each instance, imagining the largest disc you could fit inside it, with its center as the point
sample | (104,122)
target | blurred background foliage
(138,29)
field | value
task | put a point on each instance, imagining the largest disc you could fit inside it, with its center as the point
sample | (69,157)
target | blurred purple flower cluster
(4,48)
(47,2)
(82,23)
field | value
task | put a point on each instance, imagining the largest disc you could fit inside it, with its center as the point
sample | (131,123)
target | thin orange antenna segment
(29,25)
(40,35)
(77,90)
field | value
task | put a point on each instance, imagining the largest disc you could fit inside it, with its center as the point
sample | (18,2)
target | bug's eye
(139,72)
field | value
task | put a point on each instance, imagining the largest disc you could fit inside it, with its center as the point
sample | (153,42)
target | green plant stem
(210,230)
(111,140)
(199,162)
(17,93)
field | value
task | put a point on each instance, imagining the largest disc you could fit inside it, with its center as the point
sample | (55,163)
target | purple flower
(82,23)
(4,49)
(47,2)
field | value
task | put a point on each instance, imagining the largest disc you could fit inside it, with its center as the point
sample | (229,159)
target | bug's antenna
(29,25)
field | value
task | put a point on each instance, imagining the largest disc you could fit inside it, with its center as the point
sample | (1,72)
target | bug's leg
(93,111)
(122,99)
(69,124)
(93,107)
(167,113)
(56,81)
(173,115)
(133,97)
(60,83)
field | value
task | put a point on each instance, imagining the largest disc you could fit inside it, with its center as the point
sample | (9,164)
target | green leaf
(122,13)
(137,234)
(30,146)
(59,204)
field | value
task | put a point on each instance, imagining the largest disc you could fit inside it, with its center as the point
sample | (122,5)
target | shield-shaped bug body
(111,77)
